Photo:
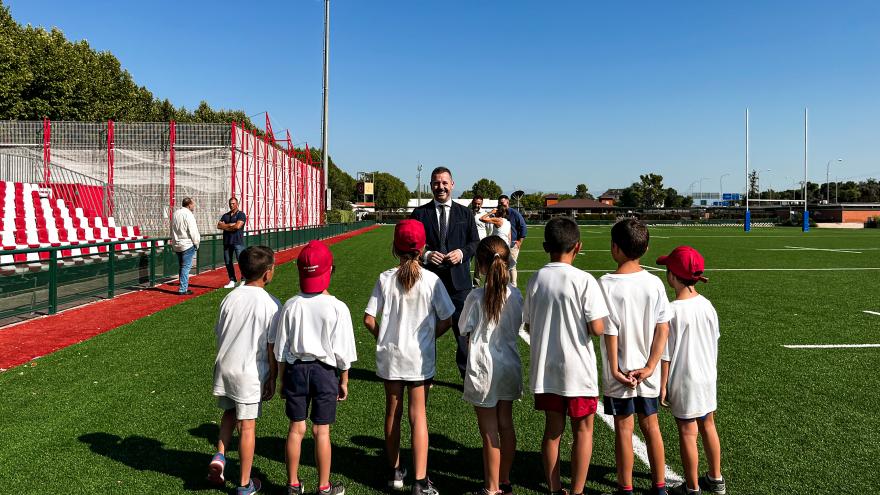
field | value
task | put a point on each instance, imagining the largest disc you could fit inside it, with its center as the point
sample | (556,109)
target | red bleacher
(31,218)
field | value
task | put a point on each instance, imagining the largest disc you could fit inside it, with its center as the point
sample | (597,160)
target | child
(491,318)
(689,370)
(244,371)
(414,309)
(314,346)
(563,307)
(631,350)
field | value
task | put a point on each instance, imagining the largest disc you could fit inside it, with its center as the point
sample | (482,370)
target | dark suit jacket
(460,234)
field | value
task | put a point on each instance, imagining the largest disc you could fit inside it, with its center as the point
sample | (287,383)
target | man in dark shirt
(232,225)
(518,232)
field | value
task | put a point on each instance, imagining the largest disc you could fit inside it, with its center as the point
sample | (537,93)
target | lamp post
(827,180)
(721,189)
(701,188)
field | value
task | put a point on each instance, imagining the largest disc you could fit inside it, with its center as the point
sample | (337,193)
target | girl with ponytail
(491,318)
(413,309)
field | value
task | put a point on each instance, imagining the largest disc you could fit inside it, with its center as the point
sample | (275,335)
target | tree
(484,187)
(675,200)
(391,192)
(631,196)
(581,192)
(532,201)
(43,74)
(651,190)
(753,184)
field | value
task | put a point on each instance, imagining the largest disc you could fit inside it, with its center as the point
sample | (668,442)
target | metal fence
(163,162)
(53,277)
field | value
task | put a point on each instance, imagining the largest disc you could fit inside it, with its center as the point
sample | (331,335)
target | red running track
(25,341)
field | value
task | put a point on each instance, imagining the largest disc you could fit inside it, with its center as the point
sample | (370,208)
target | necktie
(443,228)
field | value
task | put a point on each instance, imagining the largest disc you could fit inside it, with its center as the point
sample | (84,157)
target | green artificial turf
(131,411)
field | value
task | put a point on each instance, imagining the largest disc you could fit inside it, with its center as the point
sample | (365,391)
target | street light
(721,189)
(701,188)
(828,182)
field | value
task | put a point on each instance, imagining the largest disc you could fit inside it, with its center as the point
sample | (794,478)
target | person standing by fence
(185,240)
(232,225)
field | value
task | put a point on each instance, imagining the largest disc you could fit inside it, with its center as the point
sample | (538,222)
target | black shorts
(634,405)
(310,384)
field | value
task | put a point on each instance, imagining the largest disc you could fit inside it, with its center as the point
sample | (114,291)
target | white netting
(211,163)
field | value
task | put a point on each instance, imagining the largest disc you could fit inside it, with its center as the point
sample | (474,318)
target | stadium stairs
(31,219)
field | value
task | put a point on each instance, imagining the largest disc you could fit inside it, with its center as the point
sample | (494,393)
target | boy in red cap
(689,370)
(314,346)
(414,309)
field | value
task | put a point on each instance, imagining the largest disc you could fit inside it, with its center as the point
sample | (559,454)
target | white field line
(581,251)
(831,346)
(652,268)
(639,447)
(791,269)
(802,248)
(796,250)
(871,312)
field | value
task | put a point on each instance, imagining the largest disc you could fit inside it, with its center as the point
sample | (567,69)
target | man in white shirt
(185,240)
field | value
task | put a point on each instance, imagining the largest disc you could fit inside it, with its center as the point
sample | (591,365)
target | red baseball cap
(685,263)
(409,236)
(315,265)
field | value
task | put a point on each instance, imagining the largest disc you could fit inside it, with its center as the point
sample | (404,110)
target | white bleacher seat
(111,222)
(8,238)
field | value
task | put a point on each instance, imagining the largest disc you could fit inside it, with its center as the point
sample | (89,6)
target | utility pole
(325,153)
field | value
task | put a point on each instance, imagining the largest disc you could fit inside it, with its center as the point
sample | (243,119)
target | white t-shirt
(315,327)
(692,352)
(503,231)
(637,303)
(243,333)
(494,371)
(482,227)
(405,348)
(559,302)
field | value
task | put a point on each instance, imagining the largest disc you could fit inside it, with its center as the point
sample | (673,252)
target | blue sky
(534,95)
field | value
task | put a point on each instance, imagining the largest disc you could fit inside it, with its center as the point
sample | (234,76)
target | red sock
(322,488)
(295,485)
(660,485)
(627,488)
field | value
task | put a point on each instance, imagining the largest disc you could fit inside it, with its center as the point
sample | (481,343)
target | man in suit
(452,239)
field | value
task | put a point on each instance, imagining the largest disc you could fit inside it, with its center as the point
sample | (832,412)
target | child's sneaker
(713,486)
(506,488)
(215,469)
(619,492)
(396,477)
(563,491)
(295,490)
(333,489)
(424,489)
(253,487)
(682,489)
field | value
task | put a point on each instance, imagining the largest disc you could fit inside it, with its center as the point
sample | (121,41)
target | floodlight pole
(828,183)
(326,156)
(419,186)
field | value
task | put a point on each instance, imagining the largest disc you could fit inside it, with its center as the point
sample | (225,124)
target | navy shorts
(310,385)
(634,405)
